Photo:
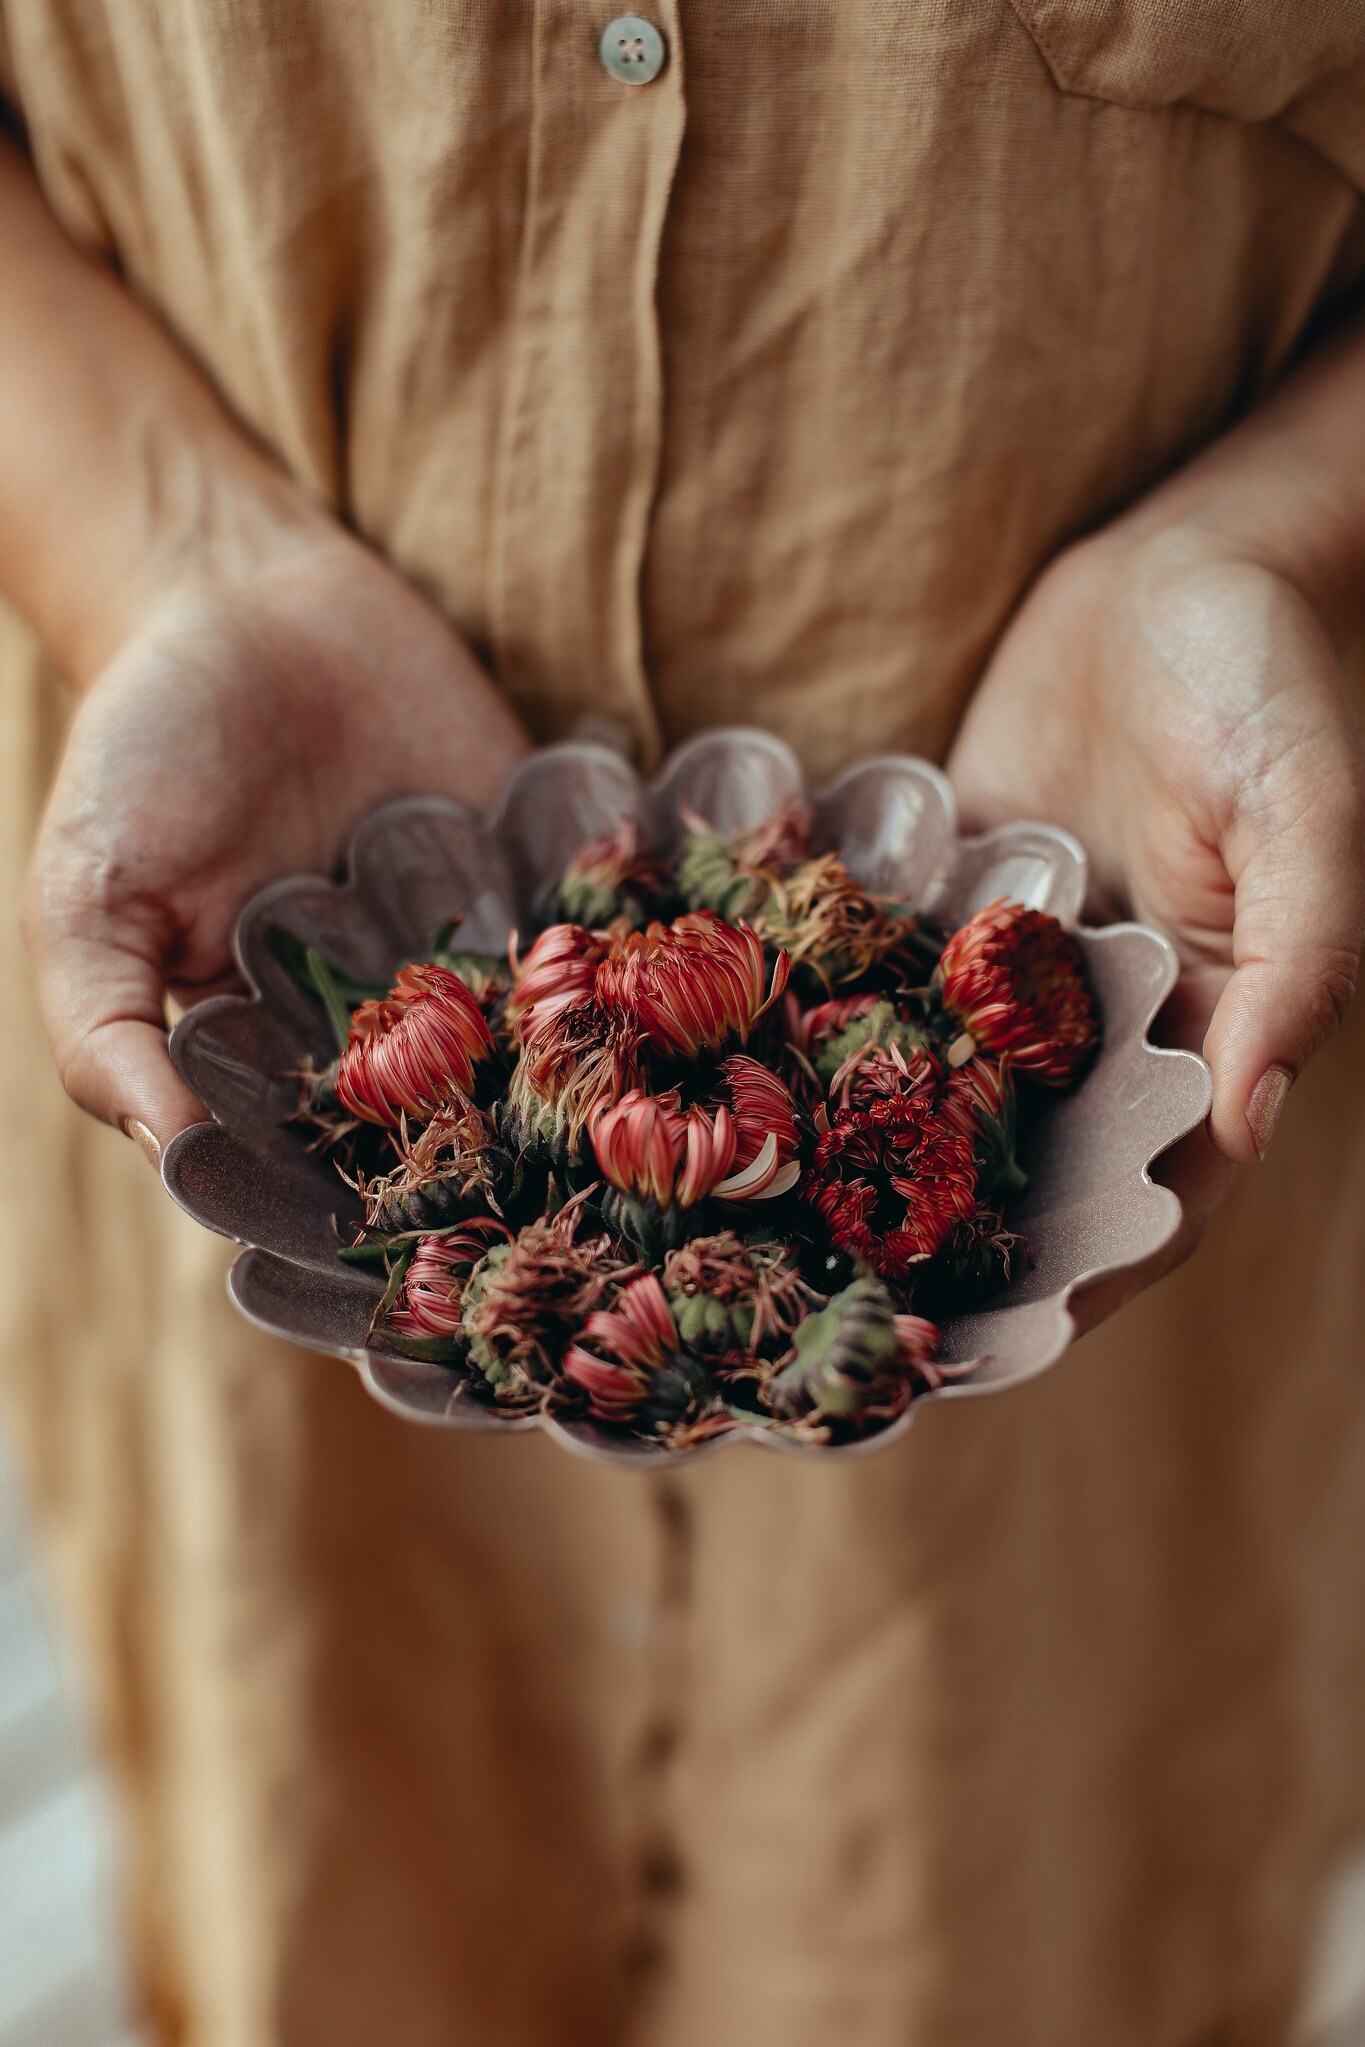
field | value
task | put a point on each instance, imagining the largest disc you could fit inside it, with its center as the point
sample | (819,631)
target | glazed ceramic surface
(1091,1211)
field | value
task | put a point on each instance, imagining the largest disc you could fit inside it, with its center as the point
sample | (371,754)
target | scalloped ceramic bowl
(1091,1211)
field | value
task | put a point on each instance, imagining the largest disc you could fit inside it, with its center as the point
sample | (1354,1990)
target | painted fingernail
(1265,1104)
(143,1139)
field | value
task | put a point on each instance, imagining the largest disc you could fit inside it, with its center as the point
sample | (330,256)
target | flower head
(833,928)
(445,1172)
(692,986)
(733,874)
(630,1362)
(738,1146)
(730,1297)
(560,970)
(977,1098)
(526,1297)
(576,1060)
(854,1360)
(428,1309)
(611,878)
(767,1142)
(1016,982)
(416,1051)
(890,1179)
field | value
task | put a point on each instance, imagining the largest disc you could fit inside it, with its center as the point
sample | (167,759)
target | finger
(100,990)
(1297,861)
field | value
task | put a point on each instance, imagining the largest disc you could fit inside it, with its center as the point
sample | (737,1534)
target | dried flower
(833,928)
(428,1311)
(1016,982)
(579,1058)
(559,970)
(977,1258)
(692,986)
(891,1179)
(978,1099)
(853,1360)
(526,1297)
(767,1142)
(630,1362)
(611,878)
(656,1152)
(445,1172)
(728,1296)
(734,875)
(415,1052)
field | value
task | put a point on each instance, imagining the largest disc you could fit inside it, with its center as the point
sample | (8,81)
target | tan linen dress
(760,391)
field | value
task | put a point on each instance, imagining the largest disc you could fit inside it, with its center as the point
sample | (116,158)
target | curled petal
(415,1052)
(1016,981)
(892,1180)
(559,969)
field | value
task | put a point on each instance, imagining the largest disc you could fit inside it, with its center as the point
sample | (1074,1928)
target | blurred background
(61,1977)
(62,1982)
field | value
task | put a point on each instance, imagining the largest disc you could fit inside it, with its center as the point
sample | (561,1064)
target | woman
(382,388)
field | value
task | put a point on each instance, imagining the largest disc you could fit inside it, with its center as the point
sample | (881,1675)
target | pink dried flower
(630,1363)
(430,1296)
(415,1052)
(692,986)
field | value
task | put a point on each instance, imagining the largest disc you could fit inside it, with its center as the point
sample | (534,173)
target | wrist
(1284,491)
(207,514)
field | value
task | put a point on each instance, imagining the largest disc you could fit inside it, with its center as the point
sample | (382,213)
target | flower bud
(891,1179)
(414,1053)
(850,1362)
(1016,982)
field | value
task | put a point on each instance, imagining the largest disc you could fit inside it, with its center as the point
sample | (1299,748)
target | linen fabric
(759,392)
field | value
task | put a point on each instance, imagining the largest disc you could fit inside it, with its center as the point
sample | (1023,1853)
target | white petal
(740,1186)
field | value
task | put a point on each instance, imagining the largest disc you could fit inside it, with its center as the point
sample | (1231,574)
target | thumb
(101,991)
(1296,858)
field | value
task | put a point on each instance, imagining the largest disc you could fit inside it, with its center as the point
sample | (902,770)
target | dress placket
(582,428)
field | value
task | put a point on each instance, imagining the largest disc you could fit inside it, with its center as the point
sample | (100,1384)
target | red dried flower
(766,1138)
(610,877)
(629,1362)
(415,1052)
(811,1030)
(527,1296)
(891,1179)
(560,969)
(1016,982)
(691,986)
(651,1148)
(430,1297)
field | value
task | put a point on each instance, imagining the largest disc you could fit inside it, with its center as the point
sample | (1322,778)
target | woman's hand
(1172,692)
(254,678)
(236,733)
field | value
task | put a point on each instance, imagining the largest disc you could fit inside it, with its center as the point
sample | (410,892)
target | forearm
(1287,485)
(123,474)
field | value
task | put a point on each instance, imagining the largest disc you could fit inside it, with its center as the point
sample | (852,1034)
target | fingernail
(143,1139)
(1265,1104)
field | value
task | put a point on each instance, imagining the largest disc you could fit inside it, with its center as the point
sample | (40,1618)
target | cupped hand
(235,735)
(1179,705)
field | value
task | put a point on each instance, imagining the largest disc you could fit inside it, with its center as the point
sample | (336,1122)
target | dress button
(632,49)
